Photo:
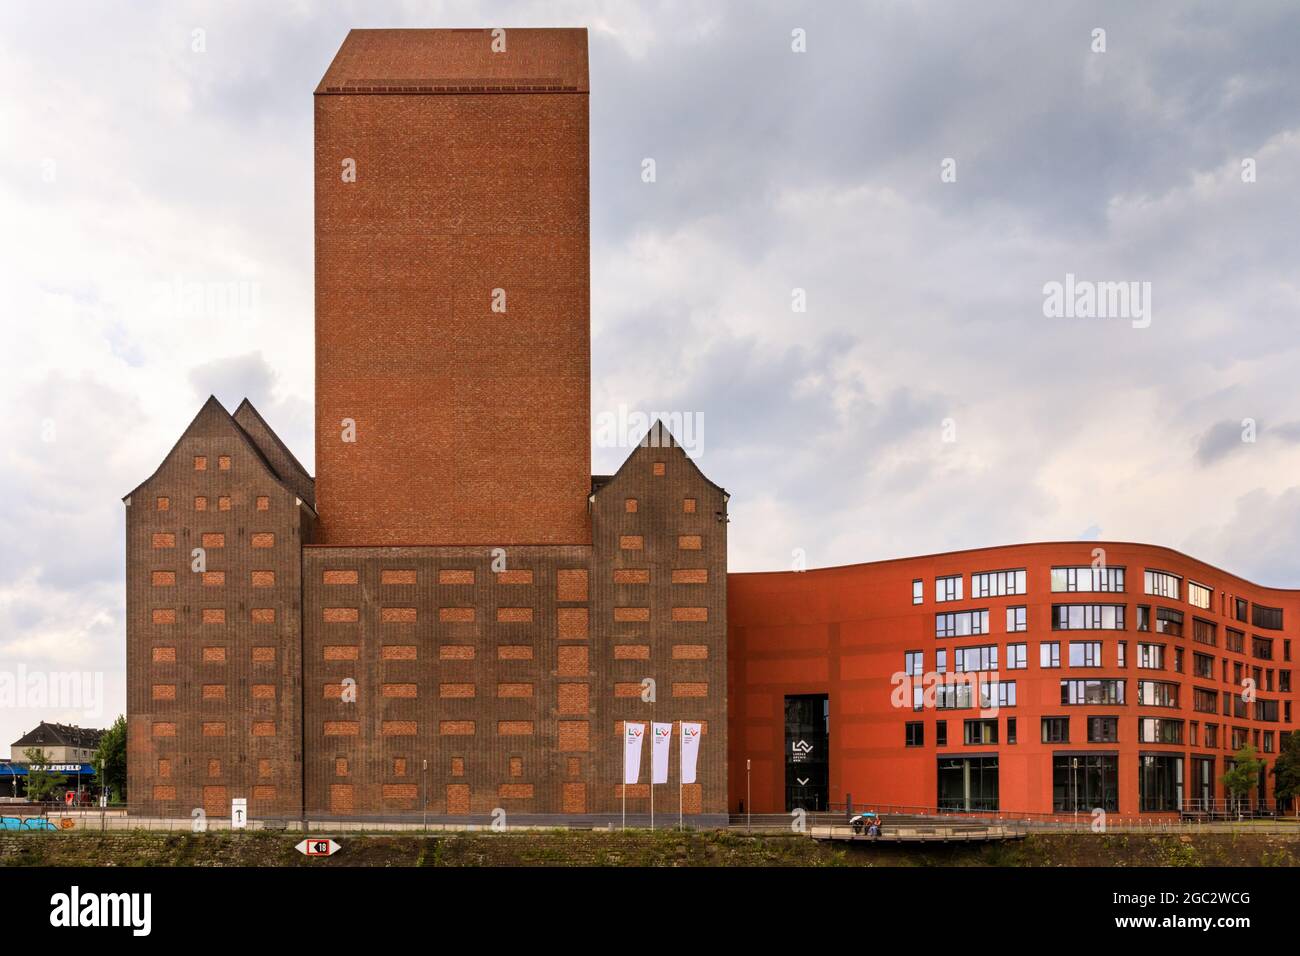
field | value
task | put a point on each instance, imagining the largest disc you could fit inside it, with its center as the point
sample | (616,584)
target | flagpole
(681,756)
(625,775)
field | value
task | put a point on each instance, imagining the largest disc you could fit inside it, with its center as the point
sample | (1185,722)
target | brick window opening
(688,505)
(264,539)
(200,503)
(340,766)
(164,539)
(164,504)
(200,462)
(630,505)
(263,503)
(214,539)
(659,468)
(399,766)
(516,766)
(223,503)
(458,766)
(223,462)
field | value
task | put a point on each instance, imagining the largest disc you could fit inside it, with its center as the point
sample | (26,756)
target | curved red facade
(847,633)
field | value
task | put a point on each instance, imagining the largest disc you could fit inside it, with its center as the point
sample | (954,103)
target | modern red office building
(1034,678)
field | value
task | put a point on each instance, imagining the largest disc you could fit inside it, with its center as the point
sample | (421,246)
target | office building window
(1049,654)
(1261,647)
(981,732)
(1234,640)
(1088,617)
(948,589)
(1085,653)
(1205,701)
(961,623)
(1156,693)
(1083,782)
(915,734)
(1011,730)
(918,591)
(1094,691)
(1017,657)
(1159,730)
(1163,584)
(1015,619)
(1087,578)
(1169,621)
(941,733)
(1056,730)
(1266,617)
(1160,783)
(1151,657)
(997,583)
(1198,595)
(970,659)
(1103,730)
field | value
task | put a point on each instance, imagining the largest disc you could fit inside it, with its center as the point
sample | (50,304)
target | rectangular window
(915,736)
(1056,730)
(1017,657)
(1269,618)
(971,659)
(1163,584)
(1266,710)
(1016,619)
(948,589)
(1239,609)
(1205,701)
(941,661)
(1122,654)
(1049,654)
(1085,653)
(997,583)
(998,694)
(1094,691)
(1087,617)
(1103,730)
(1159,730)
(1203,666)
(1086,578)
(1011,730)
(918,591)
(1234,640)
(1143,617)
(961,623)
(1151,657)
(981,732)
(914,663)
(1261,647)
(941,733)
(1198,595)
(1212,735)
(1084,782)
(1157,693)
(1204,632)
(1169,621)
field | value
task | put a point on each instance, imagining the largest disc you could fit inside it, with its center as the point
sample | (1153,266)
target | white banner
(633,735)
(662,744)
(690,750)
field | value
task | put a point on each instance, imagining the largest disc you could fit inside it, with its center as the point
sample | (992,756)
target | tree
(1244,773)
(1286,771)
(41,782)
(110,759)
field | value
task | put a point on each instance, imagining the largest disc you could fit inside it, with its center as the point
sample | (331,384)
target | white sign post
(238,813)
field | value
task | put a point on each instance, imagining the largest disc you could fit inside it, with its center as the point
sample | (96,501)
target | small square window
(164,504)
(200,503)
(223,503)
(200,462)
(263,503)
(630,505)
(659,468)
(223,462)
(688,505)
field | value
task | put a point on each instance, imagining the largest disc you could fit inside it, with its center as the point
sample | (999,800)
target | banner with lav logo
(633,735)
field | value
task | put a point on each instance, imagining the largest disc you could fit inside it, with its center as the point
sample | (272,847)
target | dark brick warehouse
(454,585)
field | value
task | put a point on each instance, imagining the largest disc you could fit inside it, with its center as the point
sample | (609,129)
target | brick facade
(213,669)
(471,597)
(471,176)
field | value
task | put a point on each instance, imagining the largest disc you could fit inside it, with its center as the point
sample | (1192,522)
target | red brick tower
(452,289)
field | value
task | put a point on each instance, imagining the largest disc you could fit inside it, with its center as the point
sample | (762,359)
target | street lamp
(1074,782)
(424,768)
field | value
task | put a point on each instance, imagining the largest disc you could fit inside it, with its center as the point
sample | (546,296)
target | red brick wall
(472,426)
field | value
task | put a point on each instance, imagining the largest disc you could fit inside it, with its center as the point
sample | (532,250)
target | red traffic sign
(318,847)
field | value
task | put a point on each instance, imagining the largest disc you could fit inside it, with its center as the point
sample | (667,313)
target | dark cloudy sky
(128,161)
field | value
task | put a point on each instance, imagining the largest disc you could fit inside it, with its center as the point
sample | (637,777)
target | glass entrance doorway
(807,752)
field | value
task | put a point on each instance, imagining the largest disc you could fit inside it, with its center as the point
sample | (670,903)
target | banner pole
(625,775)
